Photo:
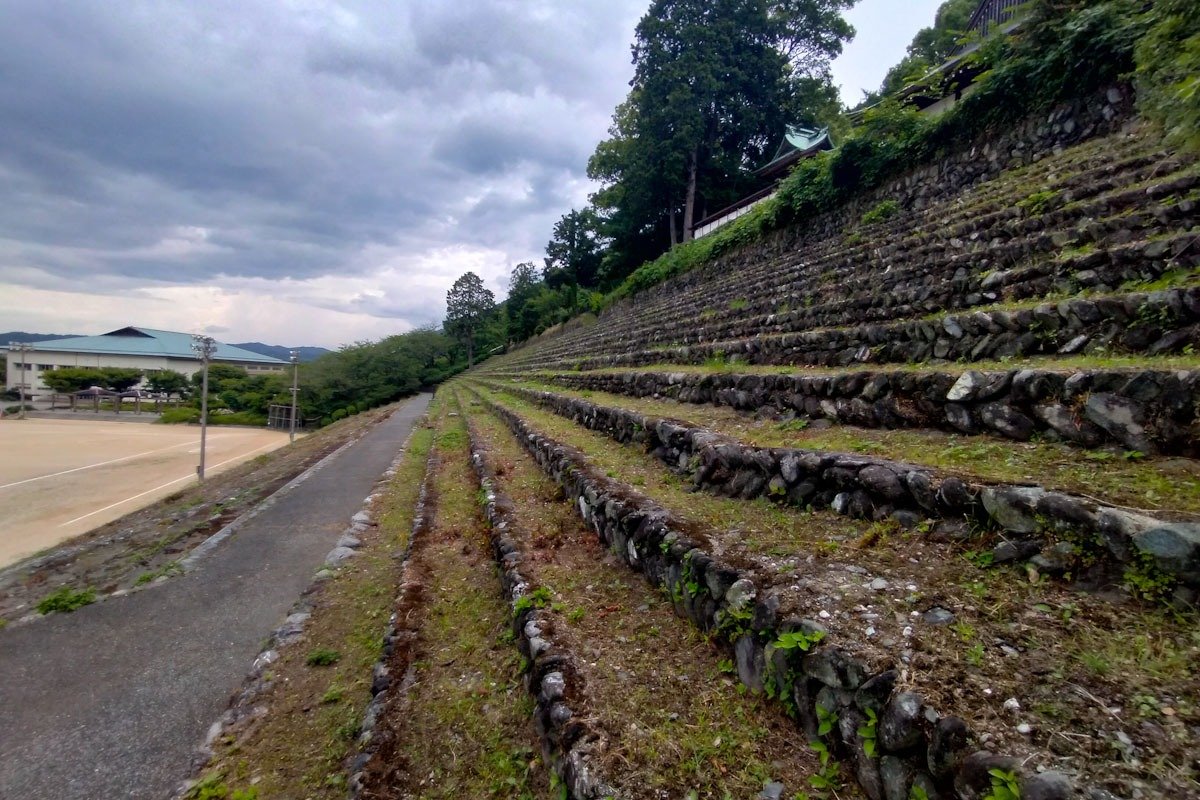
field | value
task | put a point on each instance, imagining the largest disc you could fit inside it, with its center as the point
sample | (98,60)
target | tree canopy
(468,306)
(715,82)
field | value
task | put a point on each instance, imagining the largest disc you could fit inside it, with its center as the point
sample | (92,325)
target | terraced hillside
(929,487)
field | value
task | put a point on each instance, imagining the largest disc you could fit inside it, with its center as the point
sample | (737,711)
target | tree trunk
(471,351)
(671,212)
(689,206)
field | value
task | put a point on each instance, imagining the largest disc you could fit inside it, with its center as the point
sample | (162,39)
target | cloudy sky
(306,172)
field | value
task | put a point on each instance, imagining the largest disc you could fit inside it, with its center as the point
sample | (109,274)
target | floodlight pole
(204,346)
(294,357)
(22,348)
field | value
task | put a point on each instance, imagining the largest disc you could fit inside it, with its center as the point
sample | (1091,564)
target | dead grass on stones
(676,718)
(1073,661)
(461,727)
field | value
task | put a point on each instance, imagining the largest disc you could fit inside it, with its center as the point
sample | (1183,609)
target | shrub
(65,600)
(1168,70)
(174,416)
(885,210)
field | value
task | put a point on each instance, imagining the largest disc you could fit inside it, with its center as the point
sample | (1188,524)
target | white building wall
(37,360)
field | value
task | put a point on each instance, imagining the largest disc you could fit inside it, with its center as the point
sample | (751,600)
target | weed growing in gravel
(66,600)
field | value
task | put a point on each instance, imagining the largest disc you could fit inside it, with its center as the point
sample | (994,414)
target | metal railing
(991,13)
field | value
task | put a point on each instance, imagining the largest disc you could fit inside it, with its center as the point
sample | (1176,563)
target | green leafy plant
(322,657)
(1005,785)
(826,719)
(65,600)
(828,778)
(538,598)
(798,640)
(868,733)
(885,210)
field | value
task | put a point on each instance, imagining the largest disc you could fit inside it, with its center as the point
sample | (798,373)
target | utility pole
(22,348)
(205,347)
(295,359)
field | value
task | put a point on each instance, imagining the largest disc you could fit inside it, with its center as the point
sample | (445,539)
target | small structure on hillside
(944,86)
(799,142)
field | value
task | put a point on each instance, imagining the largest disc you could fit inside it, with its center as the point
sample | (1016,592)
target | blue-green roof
(148,342)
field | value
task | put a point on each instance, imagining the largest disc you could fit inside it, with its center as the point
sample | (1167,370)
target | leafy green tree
(523,285)
(469,305)
(1168,70)
(167,380)
(574,251)
(121,379)
(929,48)
(715,81)
(68,380)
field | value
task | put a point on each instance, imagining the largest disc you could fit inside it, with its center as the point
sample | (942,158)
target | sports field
(61,478)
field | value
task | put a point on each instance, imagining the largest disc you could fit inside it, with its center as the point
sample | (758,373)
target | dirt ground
(61,478)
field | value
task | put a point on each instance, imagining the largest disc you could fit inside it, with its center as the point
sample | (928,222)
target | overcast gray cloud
(299,171)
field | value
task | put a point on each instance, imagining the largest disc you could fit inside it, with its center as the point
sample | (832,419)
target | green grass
(1154,484)
(323,657)
(66,600)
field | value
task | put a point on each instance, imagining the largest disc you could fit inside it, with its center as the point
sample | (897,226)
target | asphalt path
(113,700)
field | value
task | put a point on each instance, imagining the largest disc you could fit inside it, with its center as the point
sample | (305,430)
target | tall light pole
(205,347)
(23,348)
(295,359)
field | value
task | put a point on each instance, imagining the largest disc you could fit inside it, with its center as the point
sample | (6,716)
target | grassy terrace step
(1012,260)
(748,283)
(1150,322)
(1084,670)
(671,720)
(1148,405)
(458,722)
(1168,487)
(1014,187)
(1058,533)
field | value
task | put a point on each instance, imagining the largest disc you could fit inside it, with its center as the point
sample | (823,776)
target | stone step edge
(570,743)
(867,487)
(920,748)
(759,301)
(1146,409)
(979,329)
(986,292)
(386,687)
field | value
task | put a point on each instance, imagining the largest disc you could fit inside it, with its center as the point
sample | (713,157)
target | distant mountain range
(272,350)
(22,336)
(281,352)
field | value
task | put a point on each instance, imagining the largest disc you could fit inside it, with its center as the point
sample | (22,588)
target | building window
(45,367)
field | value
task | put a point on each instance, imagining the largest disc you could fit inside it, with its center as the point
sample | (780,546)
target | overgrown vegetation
(1065,49)
(66,600)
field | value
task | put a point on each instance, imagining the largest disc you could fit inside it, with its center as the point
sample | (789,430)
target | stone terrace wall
(1100,114)
(1051,529)
(915,745)
(1152,411)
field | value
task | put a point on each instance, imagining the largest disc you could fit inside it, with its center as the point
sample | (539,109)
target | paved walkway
(112,700)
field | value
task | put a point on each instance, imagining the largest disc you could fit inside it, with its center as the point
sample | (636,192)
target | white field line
(93,466)
(163,486)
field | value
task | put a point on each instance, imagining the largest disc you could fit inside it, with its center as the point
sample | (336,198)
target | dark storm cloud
(175,142)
